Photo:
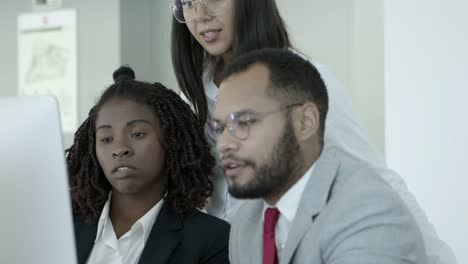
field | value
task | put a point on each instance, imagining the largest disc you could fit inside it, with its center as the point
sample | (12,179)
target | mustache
(247,162)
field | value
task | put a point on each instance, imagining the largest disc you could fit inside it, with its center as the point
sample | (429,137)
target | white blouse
(126,249)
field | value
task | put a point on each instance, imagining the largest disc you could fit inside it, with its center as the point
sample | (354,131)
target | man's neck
(275,197)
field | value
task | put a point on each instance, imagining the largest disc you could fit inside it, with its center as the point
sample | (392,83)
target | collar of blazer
(162,240)
(314,199)
(164,237)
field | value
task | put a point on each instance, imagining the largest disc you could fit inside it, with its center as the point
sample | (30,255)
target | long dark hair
(257,24)
(189,162)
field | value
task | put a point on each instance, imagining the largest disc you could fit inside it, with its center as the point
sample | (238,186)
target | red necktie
(270,255)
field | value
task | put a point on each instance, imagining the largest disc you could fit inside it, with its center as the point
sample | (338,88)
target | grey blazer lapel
(163,238)
(252,234)
(313,200)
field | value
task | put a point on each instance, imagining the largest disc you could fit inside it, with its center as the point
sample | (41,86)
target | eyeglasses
(239,123)
(185,11)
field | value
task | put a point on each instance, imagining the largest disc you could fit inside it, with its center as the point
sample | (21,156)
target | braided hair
(188,160)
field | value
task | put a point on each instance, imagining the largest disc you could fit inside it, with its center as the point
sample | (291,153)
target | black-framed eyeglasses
(185,11)
(239,123)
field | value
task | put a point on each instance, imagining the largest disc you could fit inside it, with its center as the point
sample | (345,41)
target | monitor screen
(36,218)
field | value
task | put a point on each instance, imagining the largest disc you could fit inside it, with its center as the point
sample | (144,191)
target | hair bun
(124,73)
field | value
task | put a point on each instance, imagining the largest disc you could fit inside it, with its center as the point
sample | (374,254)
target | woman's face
(128,147)
(214,33)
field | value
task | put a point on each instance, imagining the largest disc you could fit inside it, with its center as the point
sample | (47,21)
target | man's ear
(307,121)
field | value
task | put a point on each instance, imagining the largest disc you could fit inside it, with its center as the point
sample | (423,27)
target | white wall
(426,94)
(367,74)
(347,35)
(137,40)
(98,48)
(162,39)
(8,43)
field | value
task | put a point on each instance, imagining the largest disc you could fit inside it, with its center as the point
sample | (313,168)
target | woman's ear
(307,120)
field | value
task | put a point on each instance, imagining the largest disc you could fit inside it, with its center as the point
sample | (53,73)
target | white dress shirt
(128,248)
(287,206)
(345,139)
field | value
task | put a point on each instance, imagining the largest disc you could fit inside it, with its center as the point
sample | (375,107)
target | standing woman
(207,34)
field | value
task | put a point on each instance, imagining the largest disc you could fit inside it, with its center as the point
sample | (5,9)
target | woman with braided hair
(140,168)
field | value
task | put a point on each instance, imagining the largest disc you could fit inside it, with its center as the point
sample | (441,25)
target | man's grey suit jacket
(347,214)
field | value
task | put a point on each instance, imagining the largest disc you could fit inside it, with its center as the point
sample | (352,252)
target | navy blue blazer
(198,238)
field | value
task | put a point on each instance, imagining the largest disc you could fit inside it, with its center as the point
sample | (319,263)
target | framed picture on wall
(48,60)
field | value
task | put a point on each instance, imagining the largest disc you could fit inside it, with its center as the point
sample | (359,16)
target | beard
(275,176)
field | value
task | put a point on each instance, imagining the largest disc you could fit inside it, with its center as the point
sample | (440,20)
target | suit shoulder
(209,234)
(362,179)
(360,195)
(201,220)
(359,192)
(361,210)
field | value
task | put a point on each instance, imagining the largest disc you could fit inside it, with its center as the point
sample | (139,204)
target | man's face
(262,164)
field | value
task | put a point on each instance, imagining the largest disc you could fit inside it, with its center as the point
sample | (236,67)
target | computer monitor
(35,210)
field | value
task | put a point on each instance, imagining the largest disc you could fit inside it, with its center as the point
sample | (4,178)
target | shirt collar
(289,202)
(146,221)
(103,219)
